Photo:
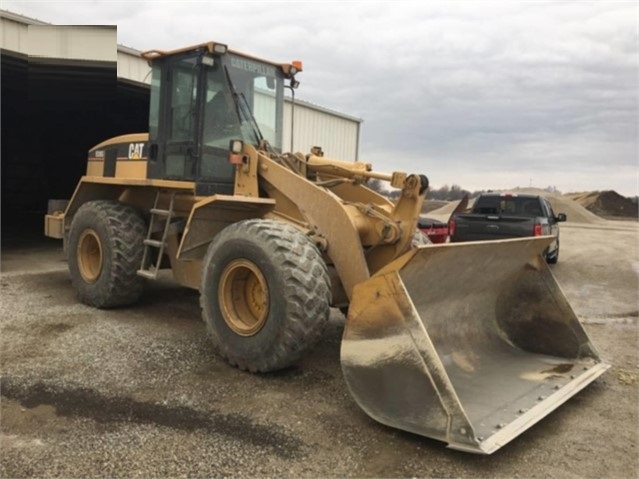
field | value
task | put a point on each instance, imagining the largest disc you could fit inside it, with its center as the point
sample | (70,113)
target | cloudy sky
(477,93)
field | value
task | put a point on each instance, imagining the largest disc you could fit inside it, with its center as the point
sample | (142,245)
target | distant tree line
(450,193)
(445,193)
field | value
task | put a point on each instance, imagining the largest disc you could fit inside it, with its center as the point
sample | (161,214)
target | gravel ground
(138,392)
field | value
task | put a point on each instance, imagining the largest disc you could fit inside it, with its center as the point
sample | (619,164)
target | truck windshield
(243,100)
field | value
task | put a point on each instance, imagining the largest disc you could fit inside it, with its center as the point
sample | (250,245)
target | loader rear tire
(105,251)
(265,294)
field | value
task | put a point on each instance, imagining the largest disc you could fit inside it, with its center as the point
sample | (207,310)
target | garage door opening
(53,111)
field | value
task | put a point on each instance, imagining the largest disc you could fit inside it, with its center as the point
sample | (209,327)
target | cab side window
(183,101)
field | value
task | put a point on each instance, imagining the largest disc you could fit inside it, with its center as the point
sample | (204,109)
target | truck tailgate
(477,227)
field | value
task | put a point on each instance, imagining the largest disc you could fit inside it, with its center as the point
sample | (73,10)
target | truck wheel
(554,257)
(105,251)
(265,294)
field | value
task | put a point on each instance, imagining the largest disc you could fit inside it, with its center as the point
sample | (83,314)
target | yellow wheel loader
(467,343)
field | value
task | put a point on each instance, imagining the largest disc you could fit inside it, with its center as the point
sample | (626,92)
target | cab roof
(216,47)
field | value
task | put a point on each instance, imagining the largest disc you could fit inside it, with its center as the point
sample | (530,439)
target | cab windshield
(243,100)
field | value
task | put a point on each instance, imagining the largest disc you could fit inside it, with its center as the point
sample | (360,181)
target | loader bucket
(467,343)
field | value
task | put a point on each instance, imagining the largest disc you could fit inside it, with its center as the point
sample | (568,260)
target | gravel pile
(607,204)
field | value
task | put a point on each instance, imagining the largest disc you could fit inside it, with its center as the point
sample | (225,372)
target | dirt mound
(573,210)
(430,205)
(443,213)
(606,204)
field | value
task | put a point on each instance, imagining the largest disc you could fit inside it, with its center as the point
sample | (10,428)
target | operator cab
(202,98)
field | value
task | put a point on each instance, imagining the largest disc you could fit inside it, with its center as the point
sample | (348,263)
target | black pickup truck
(507,215)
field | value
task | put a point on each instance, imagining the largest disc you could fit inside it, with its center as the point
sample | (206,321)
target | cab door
(174,118)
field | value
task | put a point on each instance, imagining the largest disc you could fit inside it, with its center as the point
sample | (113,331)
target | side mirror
(561,217)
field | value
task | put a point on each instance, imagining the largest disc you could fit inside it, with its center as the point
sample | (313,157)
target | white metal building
(337,133)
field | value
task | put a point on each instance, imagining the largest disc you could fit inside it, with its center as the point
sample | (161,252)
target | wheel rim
(89,255)
(243,297)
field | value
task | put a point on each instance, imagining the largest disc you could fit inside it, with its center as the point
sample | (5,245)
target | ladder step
(154,243)
(147,274)
(147,270)
(160,212)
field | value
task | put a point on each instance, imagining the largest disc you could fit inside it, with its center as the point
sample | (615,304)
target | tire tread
(125,233)
(306,289)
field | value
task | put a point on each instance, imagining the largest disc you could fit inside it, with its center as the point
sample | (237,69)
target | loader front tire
(104,252)
(265,294)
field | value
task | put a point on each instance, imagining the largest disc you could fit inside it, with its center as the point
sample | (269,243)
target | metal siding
(14,36)
(73,42)
(336,135)
(133,68)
